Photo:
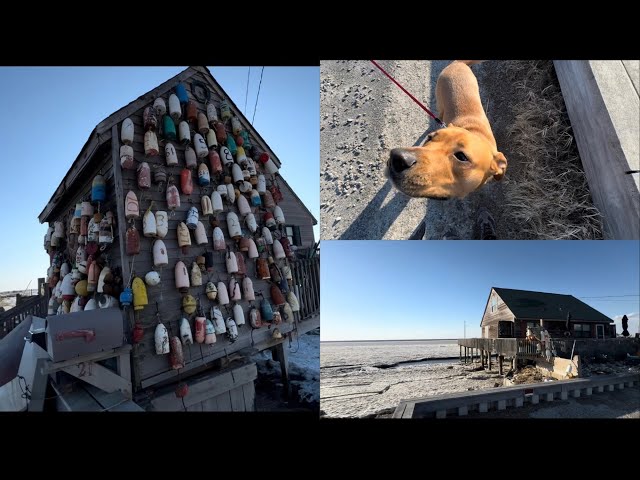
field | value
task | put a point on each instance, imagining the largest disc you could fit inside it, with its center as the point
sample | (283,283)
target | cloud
(634,323)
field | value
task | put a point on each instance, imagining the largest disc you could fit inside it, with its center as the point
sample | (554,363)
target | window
(582,330)
(293,234)
(494,303)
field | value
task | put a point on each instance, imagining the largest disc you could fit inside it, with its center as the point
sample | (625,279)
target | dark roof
(549,306)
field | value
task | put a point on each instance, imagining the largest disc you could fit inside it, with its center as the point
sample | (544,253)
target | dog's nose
(401,159)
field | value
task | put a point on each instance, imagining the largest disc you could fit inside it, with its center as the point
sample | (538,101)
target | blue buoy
(126,297)
(98,189)
(181,93)
(267,312)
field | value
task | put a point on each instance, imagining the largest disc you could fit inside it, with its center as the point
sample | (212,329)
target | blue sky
(48,114)
(373,290)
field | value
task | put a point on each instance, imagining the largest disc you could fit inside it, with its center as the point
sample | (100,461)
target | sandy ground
(304,376)
(363,115)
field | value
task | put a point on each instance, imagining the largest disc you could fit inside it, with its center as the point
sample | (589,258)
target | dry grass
(549,197)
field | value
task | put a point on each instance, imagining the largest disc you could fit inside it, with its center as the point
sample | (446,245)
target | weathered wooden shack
(202,120)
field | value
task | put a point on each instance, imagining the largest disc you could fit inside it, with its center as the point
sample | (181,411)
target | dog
(456,160)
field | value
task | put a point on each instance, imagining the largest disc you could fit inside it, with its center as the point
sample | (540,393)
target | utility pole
(465,329)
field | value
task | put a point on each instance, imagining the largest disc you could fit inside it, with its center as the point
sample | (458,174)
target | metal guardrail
(36,305)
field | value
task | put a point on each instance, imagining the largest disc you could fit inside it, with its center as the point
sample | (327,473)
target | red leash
(440,122)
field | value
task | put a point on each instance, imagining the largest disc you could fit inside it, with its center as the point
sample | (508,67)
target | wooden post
(460,353)
(500,359)
(489,355)
(281,354)
(482,357)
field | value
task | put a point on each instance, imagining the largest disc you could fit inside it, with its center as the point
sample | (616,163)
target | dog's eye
(461,156)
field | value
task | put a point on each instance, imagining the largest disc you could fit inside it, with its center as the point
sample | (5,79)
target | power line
(246,94)
(257,96)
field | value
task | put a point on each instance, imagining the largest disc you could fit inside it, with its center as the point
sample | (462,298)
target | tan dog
(458,159)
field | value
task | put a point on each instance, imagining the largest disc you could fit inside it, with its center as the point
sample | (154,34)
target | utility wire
(246,94)
(257,96)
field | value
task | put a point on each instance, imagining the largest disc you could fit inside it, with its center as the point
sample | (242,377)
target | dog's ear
(499,166)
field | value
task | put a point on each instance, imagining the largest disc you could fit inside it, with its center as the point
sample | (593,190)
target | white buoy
(231,262)
(209,333)
(126,157)
(250,220)
(253,249)
(170,155)
(150,144)
(233,224)
(225,156)
(190,158)
(223,295)
(236,126)
(201,234)
(174,108)
(212,140)
(236,174)
(162,224)
(278,251)
(185,332)
(268,238)
(270,167)
(279,215)
(201,147)
(152,278)
(183,133)
(234,290)
(212,114)
(218,321)
(216,202)
(238,315)
(161,338)
(247,289)
(160,107)
(149,224)
(243,206)
(126,132)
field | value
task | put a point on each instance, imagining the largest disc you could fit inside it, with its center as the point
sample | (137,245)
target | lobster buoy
(209,333)
(277,212)
(276,335)
(231,193)
(234,290)
(218,239)
(204,178)
(150,144)
(92,231)
(223,295)
(75,305)
(255,198)
(173,197)
(181,92)
(242,269)
(81,256)
(132,241)
(203,124)
(93,275)
(169,128)
(239,140)
(277,318)
(131,209)
(263,157)
(51,308)
(221,133)
(267,199)
(105,274)
(255,318)
(236,174)
(64,269)
(162,224)
(226,157)
(160,107)
(126,157)
(232,330)
(243,244)
(269,221)
(181,276)
(150,119)
(191,112)
(161,338)
(192,218)
(207,207)
(186,181)
(225,111)
(140,299)
(216,202)
(138,333)
(245,187)
(250,220)
(174,108)
(81,286)
(293,301)
(190,158)
(200,145)
(262,269)
(214,161)
(211,290)
(288,313)
(275,273)
(149,223)
(212,114)
(236,126)
(200,260)
(176,356)
(266,310)
(212,141)
(238,315)
(189,304)
(183,133)
(243,206)
(86,210)
(241,157)
(245,140)
(233,224)
(184,239)
(126,298)
(171,155)
(247,289)
(159,174)
(200,234)
(152,278)
(270,167)
(276,295)
(218,321)
(185,332)
(251,166)
(200,329)
(196,275)
(98,189)
(68,288)
(286,271)
(278,251)
(231,262)
(253,250)
(126,131)
(208,261)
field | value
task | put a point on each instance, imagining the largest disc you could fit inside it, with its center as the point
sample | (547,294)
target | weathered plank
(249,393)
(99,376)
(224,402)
(603,106)
(237,399)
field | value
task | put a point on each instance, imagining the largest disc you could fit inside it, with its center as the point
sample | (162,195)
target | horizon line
(391,340)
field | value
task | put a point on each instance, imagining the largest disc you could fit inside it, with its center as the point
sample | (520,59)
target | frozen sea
(367,378)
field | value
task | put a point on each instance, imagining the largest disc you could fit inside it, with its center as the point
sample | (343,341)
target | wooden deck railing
(36,305)
(306,281)
(508,347)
